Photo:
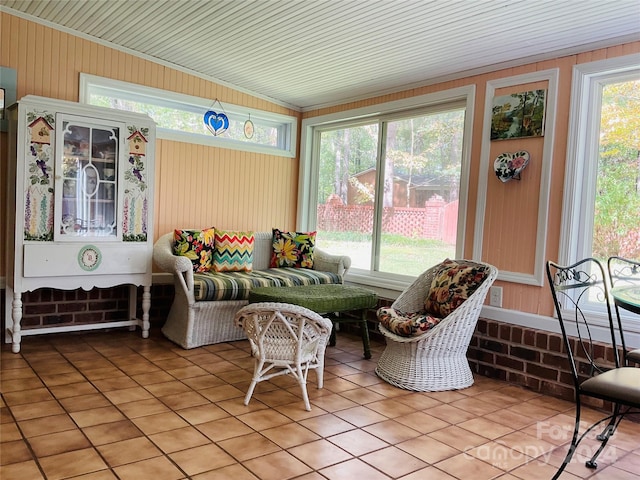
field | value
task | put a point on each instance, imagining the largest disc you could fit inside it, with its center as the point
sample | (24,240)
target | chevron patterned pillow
(233,251)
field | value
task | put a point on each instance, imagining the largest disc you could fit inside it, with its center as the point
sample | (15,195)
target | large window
(181,117)
(386,189)
(602,203)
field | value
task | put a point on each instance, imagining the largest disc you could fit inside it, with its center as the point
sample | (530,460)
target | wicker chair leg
(302,380)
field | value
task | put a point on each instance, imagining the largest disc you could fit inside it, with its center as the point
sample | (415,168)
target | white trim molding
(551,76)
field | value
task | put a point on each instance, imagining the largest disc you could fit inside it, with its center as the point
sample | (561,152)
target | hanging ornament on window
(248,128)
(216,122)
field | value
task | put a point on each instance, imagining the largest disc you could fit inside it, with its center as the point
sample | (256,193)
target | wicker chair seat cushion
(216,286)
(406,324)
(452,284)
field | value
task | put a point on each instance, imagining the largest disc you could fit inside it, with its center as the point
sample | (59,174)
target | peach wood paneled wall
(511,213)
(196,186)
(204,186)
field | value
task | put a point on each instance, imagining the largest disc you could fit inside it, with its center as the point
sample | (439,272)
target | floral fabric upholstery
(406,324)
(197,245)
(452,284)
(292,249)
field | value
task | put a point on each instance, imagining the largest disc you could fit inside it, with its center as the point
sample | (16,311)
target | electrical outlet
(495,296)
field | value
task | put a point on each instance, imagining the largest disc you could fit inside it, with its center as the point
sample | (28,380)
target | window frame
(461,97)
(287,125)
(581,167)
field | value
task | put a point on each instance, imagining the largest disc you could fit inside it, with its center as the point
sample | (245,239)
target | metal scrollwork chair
(574,289)
(285,339)
(624,273)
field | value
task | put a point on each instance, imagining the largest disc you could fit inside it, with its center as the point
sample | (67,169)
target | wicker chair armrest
(326,262)
(180,266)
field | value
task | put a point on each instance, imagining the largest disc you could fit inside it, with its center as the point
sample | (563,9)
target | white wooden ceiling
(310,53)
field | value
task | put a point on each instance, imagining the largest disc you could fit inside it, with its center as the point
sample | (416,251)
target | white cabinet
(80,206)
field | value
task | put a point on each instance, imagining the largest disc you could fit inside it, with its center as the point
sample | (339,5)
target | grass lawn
(400,255)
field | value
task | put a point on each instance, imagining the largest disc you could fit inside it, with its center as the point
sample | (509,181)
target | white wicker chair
(285,339)
(437,359)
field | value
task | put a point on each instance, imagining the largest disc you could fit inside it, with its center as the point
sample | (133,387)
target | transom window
(181,117)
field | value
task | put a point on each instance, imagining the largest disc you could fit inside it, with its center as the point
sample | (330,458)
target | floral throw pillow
(233,252)
(406,324)
(292,249)
(452,284)
(197,245)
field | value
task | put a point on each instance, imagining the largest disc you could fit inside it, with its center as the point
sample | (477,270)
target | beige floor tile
(224,428)
(97,416)
(290,435)
(264,419)
(354,468)
(392,431)
(61,442)
(428,449)
(21,471)
(198,427)
(393,461)
(235,472)
(143,408)
(160,422)
(358,442)
(16,451)
(70,464)
(201,459)
(112,432)
(248,446)
(179,439)
(277,466)
(36,410)
(462,466)
(327,425)
(157,468)
(421,422)
(320,454)
(84,402)
(360,416)
(9,432)
(202,413)
(22,397)
(45,425)
(128,451)
(73,390)
(128,395)
(178,401)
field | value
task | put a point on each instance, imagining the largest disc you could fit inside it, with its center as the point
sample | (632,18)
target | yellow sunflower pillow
(292,249)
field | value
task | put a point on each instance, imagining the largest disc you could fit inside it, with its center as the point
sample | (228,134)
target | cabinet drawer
(46,259)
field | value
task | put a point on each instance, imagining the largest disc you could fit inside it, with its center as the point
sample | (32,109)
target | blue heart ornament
(217,123)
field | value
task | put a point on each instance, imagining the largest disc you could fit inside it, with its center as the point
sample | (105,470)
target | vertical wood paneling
(198,186)
(195,185)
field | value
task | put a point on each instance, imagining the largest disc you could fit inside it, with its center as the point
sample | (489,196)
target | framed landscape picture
(518,115)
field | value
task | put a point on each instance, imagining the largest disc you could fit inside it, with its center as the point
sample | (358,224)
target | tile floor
(114,406)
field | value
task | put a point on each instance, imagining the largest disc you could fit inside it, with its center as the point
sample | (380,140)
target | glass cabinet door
(86,191)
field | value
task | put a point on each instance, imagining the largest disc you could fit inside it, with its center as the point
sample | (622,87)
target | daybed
(205,304)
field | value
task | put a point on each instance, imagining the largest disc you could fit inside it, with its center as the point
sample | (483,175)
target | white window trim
(580,175)
(385,284)
(583,138)
(290,136)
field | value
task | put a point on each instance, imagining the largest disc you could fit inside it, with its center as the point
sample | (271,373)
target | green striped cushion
(212,286)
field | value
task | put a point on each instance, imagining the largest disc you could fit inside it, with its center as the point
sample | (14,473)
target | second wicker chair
(436,359)
(285,339)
